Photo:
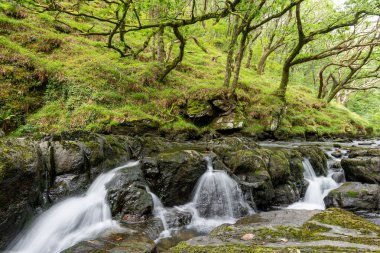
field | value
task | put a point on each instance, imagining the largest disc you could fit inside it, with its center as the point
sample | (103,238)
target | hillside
(55,80)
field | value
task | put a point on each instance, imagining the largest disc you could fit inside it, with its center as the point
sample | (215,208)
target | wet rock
(130,242)
(68,185)
(362,169)
(337,154)
(176,217)
(355,195)
(178,172)
(286,194)
(317,159)
(338,176)
(127,195)
(19,186)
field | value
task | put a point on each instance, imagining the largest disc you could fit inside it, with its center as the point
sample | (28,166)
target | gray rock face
(355,195)
(33,174)
(176,218)
(286,194)
(173,175)
(127,195)
(362,169)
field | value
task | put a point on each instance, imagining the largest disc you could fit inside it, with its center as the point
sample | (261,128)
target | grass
(79,84)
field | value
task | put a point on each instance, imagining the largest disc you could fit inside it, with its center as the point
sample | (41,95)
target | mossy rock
(355,195)
(197,109)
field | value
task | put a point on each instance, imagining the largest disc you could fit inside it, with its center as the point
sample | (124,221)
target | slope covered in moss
(52,79)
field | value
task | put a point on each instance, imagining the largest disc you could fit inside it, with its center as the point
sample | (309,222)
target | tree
(274,37)
(358,70)
(308,34)
(249,19)
(122,17)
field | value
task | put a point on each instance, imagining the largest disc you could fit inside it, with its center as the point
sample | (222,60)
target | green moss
(185,248)
(346,219)
(352,194)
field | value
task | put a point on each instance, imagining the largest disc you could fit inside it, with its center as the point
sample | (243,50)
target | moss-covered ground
(52,79)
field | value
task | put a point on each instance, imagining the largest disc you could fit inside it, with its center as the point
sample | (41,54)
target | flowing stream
(317,189)
(71,221)
(160,211)
(217,199)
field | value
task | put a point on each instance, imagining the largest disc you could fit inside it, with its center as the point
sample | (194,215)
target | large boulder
(19,186)
(127,195)
(173,175)
(355,195)
(362,169)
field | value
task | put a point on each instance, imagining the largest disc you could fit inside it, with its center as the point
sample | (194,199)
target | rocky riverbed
(35,174)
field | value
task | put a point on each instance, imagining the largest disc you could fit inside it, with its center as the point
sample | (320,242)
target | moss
(352,194)
(346,219)
(185,248)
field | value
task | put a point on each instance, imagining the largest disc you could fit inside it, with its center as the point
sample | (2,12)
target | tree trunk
(161,45)
(262,62)
(231,50)
(284,81)
(249,59)
(179,58)
(239,59)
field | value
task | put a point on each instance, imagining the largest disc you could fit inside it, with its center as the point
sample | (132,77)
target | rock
(19,186)
(68,185)
(286,194)
(231,122)
(127,194)
(130,242)
(336,145)
(197,109)
(338,176)
(177,175)
(362,169)
(247,237)
(337,154)
(316,157)
(355,195)
(176,217)
(224,105)
(2,133)
(370,152)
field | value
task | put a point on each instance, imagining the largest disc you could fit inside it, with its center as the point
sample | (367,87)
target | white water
(71,221)
(217,199)
(160,212)
(317,190)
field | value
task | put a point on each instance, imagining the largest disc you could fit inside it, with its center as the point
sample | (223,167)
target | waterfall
(317,189)
(217,199)
(160,212)
(71,221)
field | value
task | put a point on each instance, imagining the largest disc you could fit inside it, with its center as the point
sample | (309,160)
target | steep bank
(53,80)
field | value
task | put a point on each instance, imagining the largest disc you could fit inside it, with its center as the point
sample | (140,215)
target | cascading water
(217,199)
(317,190)
(71,221)
(160,212)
